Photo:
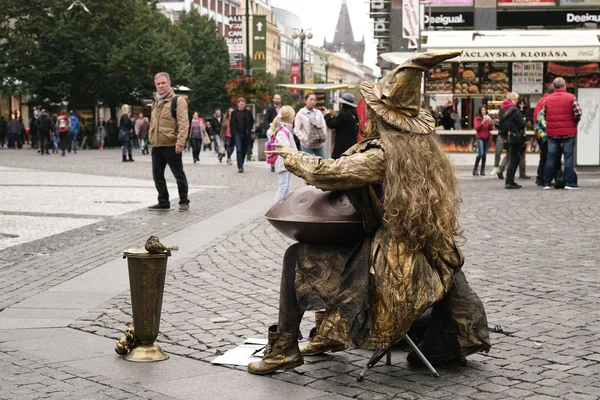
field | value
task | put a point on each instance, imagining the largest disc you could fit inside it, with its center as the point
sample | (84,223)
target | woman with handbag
(126,133)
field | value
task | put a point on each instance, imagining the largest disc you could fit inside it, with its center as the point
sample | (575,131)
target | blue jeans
(55,143)
(217,140)
(229,146)
(320,152)
(482,147)
(241,147)
(100,141)
(551,161)
(74,139)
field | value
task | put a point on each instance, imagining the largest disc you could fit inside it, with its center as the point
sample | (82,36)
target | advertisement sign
(526,3)
(235,42)
(451,3)
(439,79)
(566,18)
(588,131)
(531,54)
(259,42)
(528,77)
(495,78)
(410,22)
(450,19)
(309,77)
(467,79)
(295,76)
(585,75)
(579,2)
(380,12)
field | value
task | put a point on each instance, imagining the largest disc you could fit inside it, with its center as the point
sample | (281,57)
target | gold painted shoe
(319,345)
(281,353)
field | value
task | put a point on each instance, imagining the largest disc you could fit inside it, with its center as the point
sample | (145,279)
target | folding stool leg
(421,356)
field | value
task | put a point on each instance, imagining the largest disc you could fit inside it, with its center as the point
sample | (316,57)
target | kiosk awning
(517,45)
(317,86)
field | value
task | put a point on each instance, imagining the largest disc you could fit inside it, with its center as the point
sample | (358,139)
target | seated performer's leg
(282,350)
(458,326)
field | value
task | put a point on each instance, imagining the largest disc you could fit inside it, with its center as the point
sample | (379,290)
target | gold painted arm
(347,172)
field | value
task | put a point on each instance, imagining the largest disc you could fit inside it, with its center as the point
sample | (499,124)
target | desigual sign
(540,54)
(571,18)
(587,17)
(449,19)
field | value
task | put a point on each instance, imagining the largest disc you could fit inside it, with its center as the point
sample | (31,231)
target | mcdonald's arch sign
(259,42)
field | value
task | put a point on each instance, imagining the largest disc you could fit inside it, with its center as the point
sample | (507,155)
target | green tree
(208,61)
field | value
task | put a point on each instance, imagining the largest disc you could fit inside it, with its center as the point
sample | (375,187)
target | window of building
(213,5)
(226,10)
(220,25)
(220,7)
(205,3)
(233,10)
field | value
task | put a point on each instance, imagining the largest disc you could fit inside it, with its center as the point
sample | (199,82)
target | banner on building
(309,76)
(295,76)
(235,42)
(410,22)
(379,11)
(259,42)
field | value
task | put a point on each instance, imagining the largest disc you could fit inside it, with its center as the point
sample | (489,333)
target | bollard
(147,283)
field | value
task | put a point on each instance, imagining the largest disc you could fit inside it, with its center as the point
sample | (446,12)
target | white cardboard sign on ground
(250,350)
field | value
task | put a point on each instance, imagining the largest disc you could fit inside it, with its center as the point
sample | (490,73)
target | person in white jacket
(302,127)
(282,127)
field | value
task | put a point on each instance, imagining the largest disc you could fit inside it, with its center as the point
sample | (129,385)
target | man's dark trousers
(161,157)
(241,146)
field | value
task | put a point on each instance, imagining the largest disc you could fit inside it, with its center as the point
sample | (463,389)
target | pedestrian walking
(14,132)
(215,125)
(539,128)
(63,125)
(281,133)
(271,112)
(345,124)
(206,136)
(512,124)
(45,129)
(3,130)
(34,133)
(226,138)
(562,113)
(74,129)
(241,124)
(483,128)
(144,135)
(101,133)
(126,133)
(310,128)
(197,130)
(167,136)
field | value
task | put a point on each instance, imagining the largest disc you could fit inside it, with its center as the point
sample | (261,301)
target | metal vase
(147,283)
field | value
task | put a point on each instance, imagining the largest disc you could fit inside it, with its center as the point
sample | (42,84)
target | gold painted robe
(373,291)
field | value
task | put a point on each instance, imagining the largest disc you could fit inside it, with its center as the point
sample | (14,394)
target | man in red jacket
(562,113)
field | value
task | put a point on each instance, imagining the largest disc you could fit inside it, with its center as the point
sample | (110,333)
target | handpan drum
(310,215)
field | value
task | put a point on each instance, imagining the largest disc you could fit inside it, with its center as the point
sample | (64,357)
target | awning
(517,45)
(317,86)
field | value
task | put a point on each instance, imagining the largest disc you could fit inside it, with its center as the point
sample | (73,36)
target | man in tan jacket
(167,136)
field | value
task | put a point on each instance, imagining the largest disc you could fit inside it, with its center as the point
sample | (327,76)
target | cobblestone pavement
(531,255)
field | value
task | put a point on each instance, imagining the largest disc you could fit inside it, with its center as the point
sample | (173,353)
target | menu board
(467,79)
(587,74)
(528,77)
(439,79)
(495,78)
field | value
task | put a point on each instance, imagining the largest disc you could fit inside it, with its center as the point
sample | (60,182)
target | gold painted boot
(281,353)
(317,343)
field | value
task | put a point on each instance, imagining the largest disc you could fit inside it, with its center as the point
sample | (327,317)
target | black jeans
(241,147)
(64,140)
(161,157)
(196,146)
(44,142)
(514,158)
(542,164)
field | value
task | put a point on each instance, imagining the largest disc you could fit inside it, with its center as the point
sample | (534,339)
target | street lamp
(302,34)
(327,71)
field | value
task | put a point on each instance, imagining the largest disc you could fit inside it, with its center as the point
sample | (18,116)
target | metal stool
(378,355)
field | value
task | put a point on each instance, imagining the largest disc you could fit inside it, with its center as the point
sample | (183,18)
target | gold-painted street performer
(404,186)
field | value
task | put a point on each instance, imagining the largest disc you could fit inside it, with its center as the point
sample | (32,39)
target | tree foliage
(109,54)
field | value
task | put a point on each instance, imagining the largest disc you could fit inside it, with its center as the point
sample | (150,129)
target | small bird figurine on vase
(154,246)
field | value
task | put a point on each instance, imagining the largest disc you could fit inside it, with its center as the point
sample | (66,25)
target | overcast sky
(321,17)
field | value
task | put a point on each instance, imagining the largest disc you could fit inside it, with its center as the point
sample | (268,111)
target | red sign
(295,76)
(235,42)
(512,3)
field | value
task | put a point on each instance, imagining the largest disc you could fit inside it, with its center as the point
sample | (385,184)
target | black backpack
(505,122)
(174,107)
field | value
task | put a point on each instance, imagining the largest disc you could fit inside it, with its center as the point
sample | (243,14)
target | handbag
(123,134)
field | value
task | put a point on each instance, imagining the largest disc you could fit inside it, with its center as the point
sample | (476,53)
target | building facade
(343,40)
(218,10)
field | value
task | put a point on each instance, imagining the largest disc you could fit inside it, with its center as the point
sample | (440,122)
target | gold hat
(397,97)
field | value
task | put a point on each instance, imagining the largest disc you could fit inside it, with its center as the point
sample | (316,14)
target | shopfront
(494,63)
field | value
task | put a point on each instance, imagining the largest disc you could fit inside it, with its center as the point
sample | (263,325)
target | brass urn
(147,283)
